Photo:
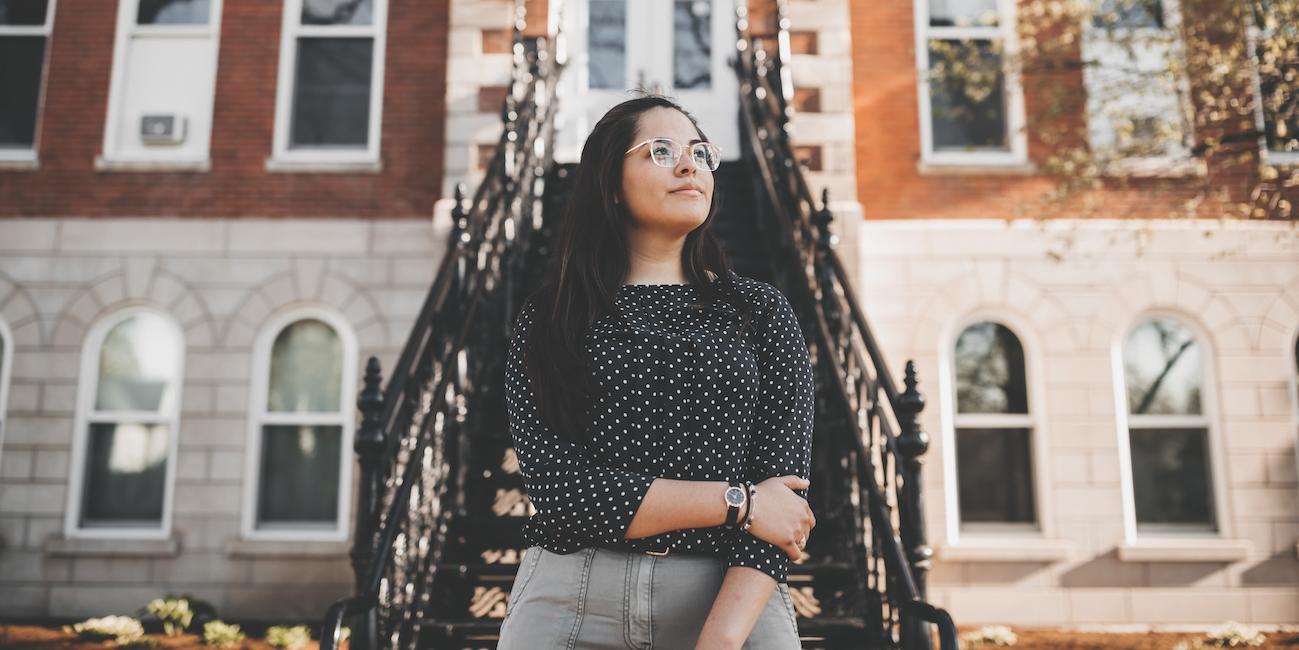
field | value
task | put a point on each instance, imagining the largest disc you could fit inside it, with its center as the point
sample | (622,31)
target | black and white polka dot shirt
(683,396)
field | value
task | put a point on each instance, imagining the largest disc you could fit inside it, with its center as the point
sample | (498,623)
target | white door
(679,48)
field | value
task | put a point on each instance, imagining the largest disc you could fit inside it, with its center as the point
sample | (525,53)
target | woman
(661,411)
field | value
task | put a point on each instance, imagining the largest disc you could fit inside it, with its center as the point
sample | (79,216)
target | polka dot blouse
(683,396)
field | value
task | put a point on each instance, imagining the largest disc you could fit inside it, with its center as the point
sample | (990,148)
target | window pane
(1161,367)
(23,12)
(337,12)
(306,369)
(1278,67)
(126,466)
(299,474)
(990,371)
(966,91)
(945,13)
(20,88)
(692,44)
(606,43)
(1129,13)
(1170,476)
(173,12)
(994,475)
(137,365)
(331,94)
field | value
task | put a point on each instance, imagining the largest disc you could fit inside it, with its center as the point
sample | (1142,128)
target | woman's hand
(780,516)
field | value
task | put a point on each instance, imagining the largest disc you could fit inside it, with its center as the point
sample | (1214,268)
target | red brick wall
(888,144)
(75,107)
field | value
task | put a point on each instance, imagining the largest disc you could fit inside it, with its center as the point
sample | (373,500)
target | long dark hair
(590,264)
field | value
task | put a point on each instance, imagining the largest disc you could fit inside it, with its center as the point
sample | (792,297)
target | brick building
(212,211)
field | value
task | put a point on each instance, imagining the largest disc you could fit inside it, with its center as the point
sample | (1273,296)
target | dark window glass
(964,13)
(21,61)
(967,96)
(337,12)
(1278,67)
(606,44)
(173,12)
(692,44)
(331,93)
(23,12)
(1170,476)
(1129,13)
(994,475)
(126,469)
(990,371)
(1162,369)
(299,474)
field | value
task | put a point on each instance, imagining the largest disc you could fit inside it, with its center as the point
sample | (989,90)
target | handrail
(801,231)
(407,445)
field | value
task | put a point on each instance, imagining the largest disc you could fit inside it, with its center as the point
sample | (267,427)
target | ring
(802,541)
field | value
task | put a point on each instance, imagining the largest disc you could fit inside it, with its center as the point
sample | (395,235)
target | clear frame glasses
(666,152)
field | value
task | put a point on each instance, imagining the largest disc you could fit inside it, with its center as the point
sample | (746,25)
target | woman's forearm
(673,504)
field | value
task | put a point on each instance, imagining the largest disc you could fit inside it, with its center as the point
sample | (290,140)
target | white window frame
(87,389)
(1038,440)
(1293,383)
(127,11)
(15,154)
(6,368)
(1268,156)
(1016,135)
(1209,418)
(259,416)
(1179,161)
(327,159)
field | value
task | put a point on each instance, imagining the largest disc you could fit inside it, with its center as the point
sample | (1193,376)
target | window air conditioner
(162,128)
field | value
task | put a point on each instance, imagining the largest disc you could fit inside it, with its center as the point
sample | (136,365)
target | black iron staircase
(437,536)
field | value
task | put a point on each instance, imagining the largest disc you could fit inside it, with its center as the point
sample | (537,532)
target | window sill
(1157,168)
(1185,550)
(275,165)
(19,164)
(103,164)
(256,548)
(975,169)
(65,546)
(1007,550)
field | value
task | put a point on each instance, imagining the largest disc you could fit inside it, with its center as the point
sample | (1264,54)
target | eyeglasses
(666,152)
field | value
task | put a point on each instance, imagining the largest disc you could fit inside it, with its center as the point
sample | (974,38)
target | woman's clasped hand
(781,516)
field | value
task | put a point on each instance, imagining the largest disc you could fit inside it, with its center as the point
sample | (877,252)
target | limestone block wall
(221,280)
(1070,289)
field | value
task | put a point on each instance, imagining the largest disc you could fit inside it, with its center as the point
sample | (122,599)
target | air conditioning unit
(162,128)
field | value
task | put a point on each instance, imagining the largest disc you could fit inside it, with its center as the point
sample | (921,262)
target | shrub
(174,613)
(283,636)
(122,629)
(989,635)
(222,634)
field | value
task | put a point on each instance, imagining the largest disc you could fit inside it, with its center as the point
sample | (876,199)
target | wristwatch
(736,496)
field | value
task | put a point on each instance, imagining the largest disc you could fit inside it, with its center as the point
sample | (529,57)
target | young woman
(660,406)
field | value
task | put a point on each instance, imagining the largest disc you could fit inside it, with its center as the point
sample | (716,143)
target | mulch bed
(37,638)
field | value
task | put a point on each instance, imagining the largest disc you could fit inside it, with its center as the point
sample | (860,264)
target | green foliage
(283,636)
(217,633)
(174,613)
(122,629)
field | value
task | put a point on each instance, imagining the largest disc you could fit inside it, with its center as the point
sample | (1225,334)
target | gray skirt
(600,598)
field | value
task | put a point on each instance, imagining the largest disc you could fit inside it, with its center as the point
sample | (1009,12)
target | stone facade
(221,280)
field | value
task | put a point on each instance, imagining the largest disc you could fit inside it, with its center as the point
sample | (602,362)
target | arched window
(993,429)
(124,445)
(300,432)
(1168,430)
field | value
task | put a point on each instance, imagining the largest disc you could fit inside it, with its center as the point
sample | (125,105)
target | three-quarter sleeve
(580,501)
(782,438)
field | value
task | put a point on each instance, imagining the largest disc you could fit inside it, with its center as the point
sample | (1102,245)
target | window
(124,443)
(331,81)
(1168,433)
(993,431)
(1138,111)
(6,362)
(24,37)
(971,104)
(300,429)
(1272,36)
(164,79)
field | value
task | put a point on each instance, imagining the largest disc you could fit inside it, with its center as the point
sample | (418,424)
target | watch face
(735,496)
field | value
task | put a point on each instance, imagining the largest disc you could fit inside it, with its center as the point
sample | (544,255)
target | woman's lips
(688,192)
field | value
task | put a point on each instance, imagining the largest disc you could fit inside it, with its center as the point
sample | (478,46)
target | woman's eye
(660,151)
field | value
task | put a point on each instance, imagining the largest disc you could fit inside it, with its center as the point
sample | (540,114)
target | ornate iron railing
(412,430)
(885,466)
